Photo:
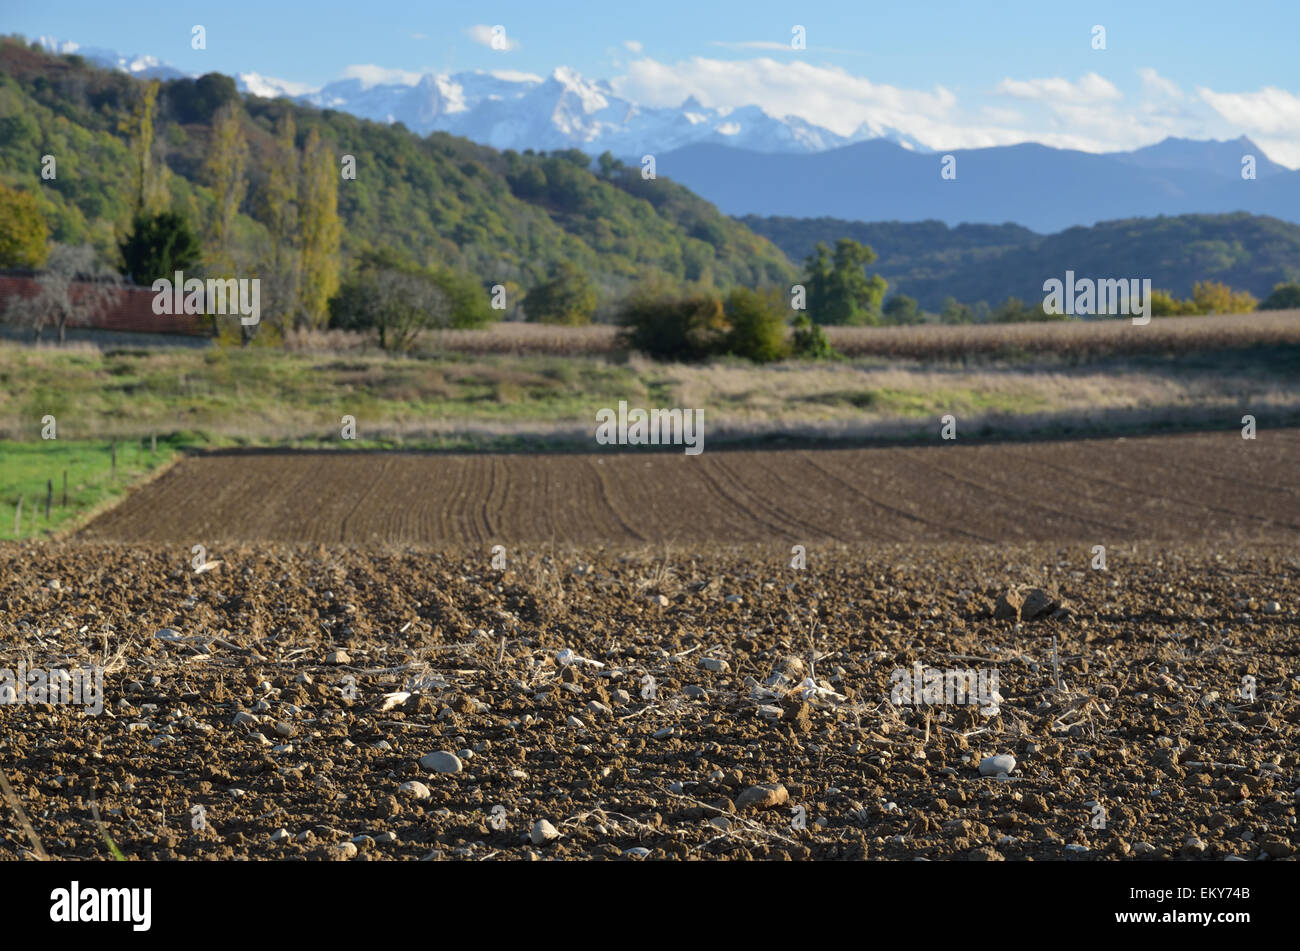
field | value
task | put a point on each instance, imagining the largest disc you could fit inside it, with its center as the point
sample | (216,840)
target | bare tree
(71,288)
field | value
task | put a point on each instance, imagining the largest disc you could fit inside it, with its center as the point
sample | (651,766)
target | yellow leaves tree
(320,231)
(148,181)
(279,212)
(24,236)
(224,173)
(1213,297)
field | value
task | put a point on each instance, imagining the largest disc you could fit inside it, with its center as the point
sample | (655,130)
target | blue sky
(952,74)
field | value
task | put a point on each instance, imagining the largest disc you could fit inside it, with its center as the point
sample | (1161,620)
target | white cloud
(826,96)
(1090,113)
(1269,110)
(371,75)
(633,45)
(515,76)
(1155,84)
(754,45)
(1055,91)
(483,34)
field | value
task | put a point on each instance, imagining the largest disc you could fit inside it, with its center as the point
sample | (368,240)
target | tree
(392,297)
(223,170)
(159,246)
(321,231)
(469,304)
(901,309)
(1213,297)
(568,297)
(952,312)
(757,323)
(24,236)
(71,288)
(1013,310)
(608,164)
(1284,297)
(1165,304)
(839,291)
(278,209)
(148,184)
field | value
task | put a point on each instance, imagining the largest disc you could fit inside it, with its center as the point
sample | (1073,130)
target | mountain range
(511,110)
(750,163)
(1042,188)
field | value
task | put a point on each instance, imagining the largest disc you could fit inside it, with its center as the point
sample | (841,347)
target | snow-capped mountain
(564,110)
(520,111)
(142,67)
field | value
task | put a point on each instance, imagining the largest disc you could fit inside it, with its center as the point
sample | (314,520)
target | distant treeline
(929,261)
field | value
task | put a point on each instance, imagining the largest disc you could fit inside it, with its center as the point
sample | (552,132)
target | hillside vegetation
(500,217)
(930,261)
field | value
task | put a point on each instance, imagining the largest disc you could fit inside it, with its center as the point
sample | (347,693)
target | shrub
(809,341)
(568,297)
(1284,297)
(757,322)
(669,328)
(1213,297)
(901,309)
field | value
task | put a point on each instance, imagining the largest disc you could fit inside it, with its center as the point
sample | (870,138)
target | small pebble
(543,832)
(764,796)
(415,790)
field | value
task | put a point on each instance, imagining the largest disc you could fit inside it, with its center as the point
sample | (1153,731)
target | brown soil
(1147,720)
(1095,491)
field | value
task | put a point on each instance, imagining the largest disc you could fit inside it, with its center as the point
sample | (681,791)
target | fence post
(65,489)
(49,497)
(112,472)
(18,518)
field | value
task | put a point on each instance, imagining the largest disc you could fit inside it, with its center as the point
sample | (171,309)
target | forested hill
(501,217)
(930,261)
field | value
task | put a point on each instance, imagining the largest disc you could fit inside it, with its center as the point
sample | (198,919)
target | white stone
(415,790)
(543,832)
(1001,764)
(441,762)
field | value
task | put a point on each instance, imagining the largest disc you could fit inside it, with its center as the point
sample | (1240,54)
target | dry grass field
(1076,339)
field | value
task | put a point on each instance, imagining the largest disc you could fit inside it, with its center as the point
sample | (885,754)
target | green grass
(261,397)
(26,469)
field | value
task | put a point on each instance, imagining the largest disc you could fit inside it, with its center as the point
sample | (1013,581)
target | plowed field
(1168,487)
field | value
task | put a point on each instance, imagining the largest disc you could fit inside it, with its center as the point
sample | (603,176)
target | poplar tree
(279,213)
(224,172)
(148,184)
(320,231)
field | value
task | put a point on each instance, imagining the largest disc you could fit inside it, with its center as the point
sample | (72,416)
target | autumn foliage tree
(320,231)
(568,297)
(24,236)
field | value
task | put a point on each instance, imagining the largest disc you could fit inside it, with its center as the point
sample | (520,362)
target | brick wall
(132,313)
